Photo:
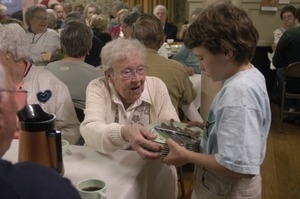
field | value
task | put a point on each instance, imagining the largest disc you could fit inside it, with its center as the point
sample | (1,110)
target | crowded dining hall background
(163,89)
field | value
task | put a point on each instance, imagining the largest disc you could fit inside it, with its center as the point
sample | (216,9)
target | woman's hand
(196,123)
(177,155)
(183,29)
(190,71)
(140,139)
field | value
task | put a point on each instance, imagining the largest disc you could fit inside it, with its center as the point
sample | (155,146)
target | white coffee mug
(65,147)
(92,189)
(169,41)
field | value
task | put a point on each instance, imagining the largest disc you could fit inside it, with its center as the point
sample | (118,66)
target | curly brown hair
(222,28)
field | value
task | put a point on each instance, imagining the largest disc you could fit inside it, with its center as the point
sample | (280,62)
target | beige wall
(265,21)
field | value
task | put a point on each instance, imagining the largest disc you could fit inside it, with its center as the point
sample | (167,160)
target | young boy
(234,143)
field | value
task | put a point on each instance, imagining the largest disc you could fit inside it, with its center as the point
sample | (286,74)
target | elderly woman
(12,54)
(99,24)
(126,23)
(41,38)
(289,20)
(42,86)
(91,9)
(121,104)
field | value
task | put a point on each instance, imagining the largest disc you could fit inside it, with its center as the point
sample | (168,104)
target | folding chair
(80,114)
(290,90)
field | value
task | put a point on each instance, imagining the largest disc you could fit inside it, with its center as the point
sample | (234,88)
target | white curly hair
(13,39)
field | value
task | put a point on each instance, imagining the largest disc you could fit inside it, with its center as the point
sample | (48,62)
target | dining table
(192,110)
(127,175)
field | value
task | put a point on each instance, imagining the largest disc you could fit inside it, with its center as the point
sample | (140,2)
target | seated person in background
(138,9)
(117,6)
(93,56)
(126,23)
(68,7)
(170,30)
(78,7)
(41,38)
(54,97)
(289,20)
(121,104)
(26,179)
(171,72)
(60,14)
(3,12)
(51,18)
(72,70)
(287,52)
(187,58)
(114,29)
(185,55)
(99,23)
(120,15)
(42,86)
(185,26)
(91,9)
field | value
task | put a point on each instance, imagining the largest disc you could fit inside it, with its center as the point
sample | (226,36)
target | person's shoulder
(293,31)
(94,71)
(51,32)
(35,180)
(99,82)
(176,65)
(46,76)
(52,64)
(155,82)
(246,79)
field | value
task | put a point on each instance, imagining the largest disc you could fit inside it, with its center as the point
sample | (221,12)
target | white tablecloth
(191,110)
(126,174)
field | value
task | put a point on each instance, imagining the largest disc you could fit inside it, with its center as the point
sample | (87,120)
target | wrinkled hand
(190,71)
(140,139)
(196,123)
(184,28)
(177,155)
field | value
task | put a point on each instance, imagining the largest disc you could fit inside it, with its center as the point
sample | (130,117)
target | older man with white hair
(170,30)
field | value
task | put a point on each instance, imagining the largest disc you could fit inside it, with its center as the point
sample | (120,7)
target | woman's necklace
(33,41)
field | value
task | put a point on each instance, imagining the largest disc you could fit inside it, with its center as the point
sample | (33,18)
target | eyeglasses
(20,97)
(287,17)
(128,73)
(28,65)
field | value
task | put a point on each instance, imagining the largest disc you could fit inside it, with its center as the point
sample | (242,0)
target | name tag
(64,68)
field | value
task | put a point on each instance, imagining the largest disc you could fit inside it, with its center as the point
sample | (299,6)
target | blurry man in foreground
(24,180)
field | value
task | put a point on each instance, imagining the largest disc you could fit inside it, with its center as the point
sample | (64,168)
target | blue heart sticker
(44,96)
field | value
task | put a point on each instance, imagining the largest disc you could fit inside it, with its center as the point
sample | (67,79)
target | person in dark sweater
(287,52)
